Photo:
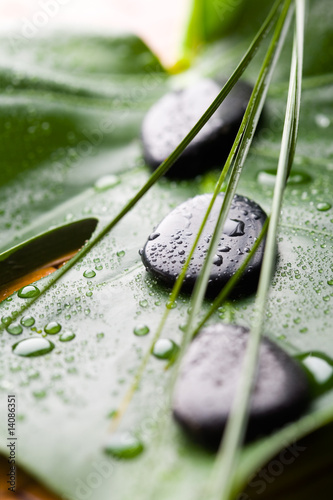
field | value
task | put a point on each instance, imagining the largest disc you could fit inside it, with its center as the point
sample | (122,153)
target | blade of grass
(167,164)
(222,480)
(227,289)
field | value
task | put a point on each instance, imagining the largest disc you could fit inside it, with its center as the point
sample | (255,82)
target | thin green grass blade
(227,289)
(221,484)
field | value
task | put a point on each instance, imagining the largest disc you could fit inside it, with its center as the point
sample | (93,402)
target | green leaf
(71,109)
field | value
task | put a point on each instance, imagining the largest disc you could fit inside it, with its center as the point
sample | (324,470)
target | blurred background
(159,23)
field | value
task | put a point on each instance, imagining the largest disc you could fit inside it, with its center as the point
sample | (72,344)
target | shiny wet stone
(167,248)
(173,116)
(209,375)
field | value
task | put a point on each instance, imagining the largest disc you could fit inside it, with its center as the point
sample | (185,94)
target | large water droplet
(320,368)
(14,329)
(27,321)
(34,346)
(5,320)
(141,330)
(90,273)
(323,206)
(52,328)
(28,292)
(123,446)
(66,336)
(165,349)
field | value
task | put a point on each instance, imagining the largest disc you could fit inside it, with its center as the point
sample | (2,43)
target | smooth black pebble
(209,375)
(167,248)
(173,116)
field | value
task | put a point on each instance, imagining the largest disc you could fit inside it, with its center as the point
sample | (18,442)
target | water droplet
(324,206)
(234,227)
(27,321)
(141,330)
(89,273)
(171,304)
(5,320)
(330,282)
(165,349)
(100,336)
(217,260)
(123,446)
(320,368)
(121,253)
(153,236)
(14,329)
(27,292)
(66,336)
(34,346)
(52,328)
(267,177)
(322,120)
(143,303)
(106,182)
(40,394)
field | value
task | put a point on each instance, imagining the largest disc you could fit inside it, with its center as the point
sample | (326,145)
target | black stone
(173,116)
(209,375)
(167,248)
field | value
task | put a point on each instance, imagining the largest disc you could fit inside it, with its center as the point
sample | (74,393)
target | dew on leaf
(141,330)
(40,394)
(14,329)
(32,347)
(66,336)
(5,320)
(123,445)
(52,328)
(320,368)
(90,273)
(28,292)
(28,321)
(323,206)
(165,349)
